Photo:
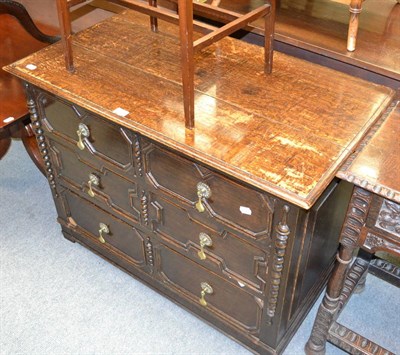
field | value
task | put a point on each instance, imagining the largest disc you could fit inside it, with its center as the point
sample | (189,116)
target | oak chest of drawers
(219,230)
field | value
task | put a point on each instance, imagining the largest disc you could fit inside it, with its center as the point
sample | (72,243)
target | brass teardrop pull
(205,241)
(203,191)
(103,229)
(93,180)
(206,289)
(83,131)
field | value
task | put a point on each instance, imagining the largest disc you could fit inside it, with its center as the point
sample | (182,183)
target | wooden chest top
(286,133)
(375,164)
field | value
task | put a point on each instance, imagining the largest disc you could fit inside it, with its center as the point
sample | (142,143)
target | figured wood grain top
(375,165)
(285,133)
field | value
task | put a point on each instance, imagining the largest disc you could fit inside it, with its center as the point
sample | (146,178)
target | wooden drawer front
(236,259)
(121,238)
(75,168)
(105,140)
(227,301)
(238,206)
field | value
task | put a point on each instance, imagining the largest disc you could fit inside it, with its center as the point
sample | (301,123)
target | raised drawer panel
(233,204)
(171,174)
(228,255)
(104,140)
(77,170)
(240,206)
(226,300)
(121,237)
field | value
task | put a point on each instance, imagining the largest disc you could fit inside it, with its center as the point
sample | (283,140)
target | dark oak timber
(135,202)
(238,219)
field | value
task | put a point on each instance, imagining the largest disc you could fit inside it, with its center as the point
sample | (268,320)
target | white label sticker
(8,119)
(120,112)
(31,66)
(245,210)
(241,284)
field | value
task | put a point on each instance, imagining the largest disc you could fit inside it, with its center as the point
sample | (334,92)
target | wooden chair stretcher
(186,27)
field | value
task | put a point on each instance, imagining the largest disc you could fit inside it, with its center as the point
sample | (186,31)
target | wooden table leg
(327,313)
(4,145)
(355,10)
(25,133)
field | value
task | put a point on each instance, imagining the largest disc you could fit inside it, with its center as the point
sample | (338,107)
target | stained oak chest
(237,220)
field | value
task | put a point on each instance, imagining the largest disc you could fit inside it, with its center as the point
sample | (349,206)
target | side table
(17,41)
(372,223)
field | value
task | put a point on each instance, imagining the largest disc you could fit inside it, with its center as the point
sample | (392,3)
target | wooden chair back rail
(219,14)
(75,2)
(186,26)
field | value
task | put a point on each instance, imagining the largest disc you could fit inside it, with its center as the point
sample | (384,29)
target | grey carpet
(57,297)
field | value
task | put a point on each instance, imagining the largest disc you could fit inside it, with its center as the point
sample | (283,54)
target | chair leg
(327,313)
(66,33)
(187,60)
(355,10)
(153,20)
(269,38)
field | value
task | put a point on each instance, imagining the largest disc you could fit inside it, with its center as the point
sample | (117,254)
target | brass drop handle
(203,191)
(103,229)
(205,241)
(206,289)
(83,131)
(93,180)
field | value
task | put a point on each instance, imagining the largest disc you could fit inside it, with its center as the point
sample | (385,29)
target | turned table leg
(327,313)
(355,10)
